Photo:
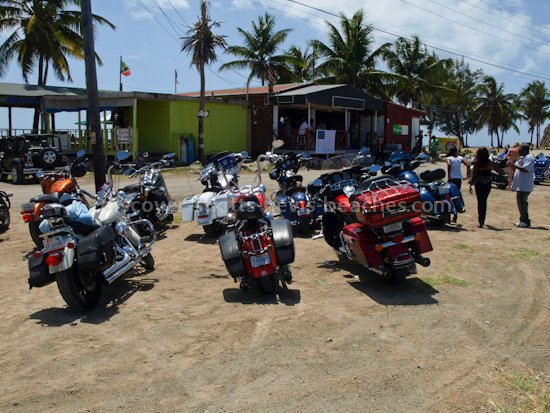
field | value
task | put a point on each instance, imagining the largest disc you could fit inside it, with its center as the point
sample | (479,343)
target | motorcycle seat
(47,198)
(131,188)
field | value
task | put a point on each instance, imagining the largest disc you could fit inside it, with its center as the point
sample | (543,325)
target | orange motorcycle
(54,184)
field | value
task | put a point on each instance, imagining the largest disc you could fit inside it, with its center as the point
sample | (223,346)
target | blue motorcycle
(441,201)
(542,168)
(292,199)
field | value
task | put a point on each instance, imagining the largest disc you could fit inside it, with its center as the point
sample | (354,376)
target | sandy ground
(184,338)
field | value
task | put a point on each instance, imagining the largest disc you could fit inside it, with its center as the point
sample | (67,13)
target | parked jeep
(27,154)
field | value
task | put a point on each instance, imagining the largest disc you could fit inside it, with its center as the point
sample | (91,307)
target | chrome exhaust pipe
(116,266)
(425,262)
(121,271)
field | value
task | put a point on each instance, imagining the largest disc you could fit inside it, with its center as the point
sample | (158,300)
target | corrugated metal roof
(17,89)
(310,89)
(259,90)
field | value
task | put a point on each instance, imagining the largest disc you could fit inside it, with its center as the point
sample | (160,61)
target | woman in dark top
(481,179)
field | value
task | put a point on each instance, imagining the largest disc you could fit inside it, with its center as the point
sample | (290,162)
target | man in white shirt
(523,183)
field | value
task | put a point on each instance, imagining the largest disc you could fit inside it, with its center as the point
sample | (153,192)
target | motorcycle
(54,184)
(150,198)
(221,179)
(542,168)
(441,201)
(256,247)
(378,225)
(499,178)
(292,199)
(85,249)
(4,211)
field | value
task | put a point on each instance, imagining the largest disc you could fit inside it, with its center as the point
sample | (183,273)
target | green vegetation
(526,391)
(522,254)
(465,247)
(444,280)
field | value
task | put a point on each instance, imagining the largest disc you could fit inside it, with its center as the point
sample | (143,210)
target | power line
(428,45)
(515,14)
(179,14)
(168,18)
(158,21)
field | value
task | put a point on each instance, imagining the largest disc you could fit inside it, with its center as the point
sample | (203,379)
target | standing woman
(481,179)
(454,167)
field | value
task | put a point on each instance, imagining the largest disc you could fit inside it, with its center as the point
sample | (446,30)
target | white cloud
(242,4)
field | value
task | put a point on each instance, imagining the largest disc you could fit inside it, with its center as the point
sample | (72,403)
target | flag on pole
(124,69)
(177,81)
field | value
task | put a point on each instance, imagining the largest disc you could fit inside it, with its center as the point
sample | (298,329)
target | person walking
(481,179)
(454,167)
(512,157)
(434,150)
(523,183)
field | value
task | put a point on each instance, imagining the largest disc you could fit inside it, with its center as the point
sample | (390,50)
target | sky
(507,39)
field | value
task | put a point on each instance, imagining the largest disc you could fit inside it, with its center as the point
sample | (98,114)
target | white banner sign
(124,136)
(325,141)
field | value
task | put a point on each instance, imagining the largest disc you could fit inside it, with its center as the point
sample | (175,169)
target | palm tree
(202,43)
(258,54)
(301,65)
(45,33)
(417,72)
(349,55)
(495,109)
(535,105)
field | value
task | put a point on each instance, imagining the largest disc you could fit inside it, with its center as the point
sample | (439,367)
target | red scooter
(377,224)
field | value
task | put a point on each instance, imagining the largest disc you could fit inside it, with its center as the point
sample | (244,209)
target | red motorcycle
(376,224)
(257,248)
(54,184)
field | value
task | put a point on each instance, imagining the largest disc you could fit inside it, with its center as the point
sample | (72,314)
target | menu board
(325,141)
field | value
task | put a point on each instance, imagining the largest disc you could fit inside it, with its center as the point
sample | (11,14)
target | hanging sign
(325,141)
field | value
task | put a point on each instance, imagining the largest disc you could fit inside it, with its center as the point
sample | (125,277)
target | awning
(335,96)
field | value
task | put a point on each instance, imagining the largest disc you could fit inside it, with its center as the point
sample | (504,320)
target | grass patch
(445,280)
(522,254)
(455,267)
(525,391)
(177,219)
(320,283)
(464,247)
(546,239)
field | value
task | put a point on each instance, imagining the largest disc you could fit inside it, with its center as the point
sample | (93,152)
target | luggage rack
(387,186)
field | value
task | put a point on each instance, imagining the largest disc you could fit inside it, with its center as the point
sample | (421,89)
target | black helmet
(249,208)
(78,170)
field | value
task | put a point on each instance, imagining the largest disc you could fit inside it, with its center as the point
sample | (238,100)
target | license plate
(53,243)
(396,226)
(303,211)
(259,260)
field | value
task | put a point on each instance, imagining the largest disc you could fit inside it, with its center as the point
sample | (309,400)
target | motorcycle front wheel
(4,217)
(81,292)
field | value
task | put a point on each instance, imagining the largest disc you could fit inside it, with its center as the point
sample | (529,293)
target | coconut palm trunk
(201,118)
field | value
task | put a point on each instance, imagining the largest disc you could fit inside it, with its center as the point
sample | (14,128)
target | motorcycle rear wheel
(304,228)
(81,292)
(148,262)
(35,234)
(4,217)
(267,284)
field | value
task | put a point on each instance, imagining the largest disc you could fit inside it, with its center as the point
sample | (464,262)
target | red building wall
(399,115)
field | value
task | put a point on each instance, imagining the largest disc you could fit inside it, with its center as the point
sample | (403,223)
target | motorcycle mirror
(40,174)
(364,151)
(145,154)
(374,169)
(81,154)
(244,154)
(122,155)
(276,144)
(169,155)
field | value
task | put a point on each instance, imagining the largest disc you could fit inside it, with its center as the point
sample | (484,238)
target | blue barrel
(190,150)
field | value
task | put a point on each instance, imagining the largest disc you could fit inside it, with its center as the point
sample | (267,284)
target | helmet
(248,207)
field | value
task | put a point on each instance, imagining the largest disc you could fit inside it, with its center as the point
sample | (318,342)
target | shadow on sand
(283,295)
(112,297)
(201,239)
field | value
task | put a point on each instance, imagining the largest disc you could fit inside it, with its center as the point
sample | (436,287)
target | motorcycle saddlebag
(284,242)
(39,274)
(229,248)
(97,251)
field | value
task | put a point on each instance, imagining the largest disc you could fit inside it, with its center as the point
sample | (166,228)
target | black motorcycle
(149,198)
(4,211)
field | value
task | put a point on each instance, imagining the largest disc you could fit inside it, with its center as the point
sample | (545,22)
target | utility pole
(93,95)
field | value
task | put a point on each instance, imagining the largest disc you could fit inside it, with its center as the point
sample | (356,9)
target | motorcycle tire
(148,262)
(304,228)
(17,177)
(4,217)
(214,229)
(81,292)
(48,158)
(267,284)
(34,231)
(502,186)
